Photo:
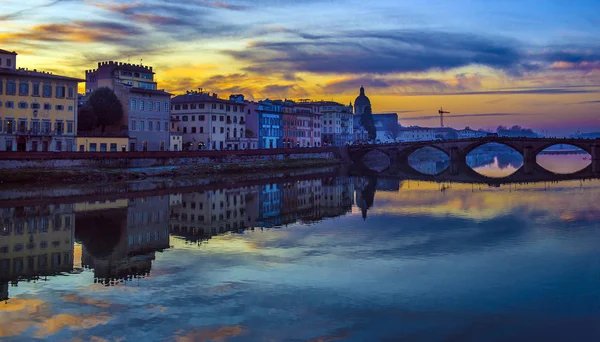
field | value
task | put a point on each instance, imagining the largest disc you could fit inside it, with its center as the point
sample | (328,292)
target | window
(71,92)
(214,130)
(214,118)
(166,125)
(59,127)
(1,82)
(193,129)
(103,147)
(93,147)
(70,127)
(185,107)
(24,88)
(46,127)
(228,108)
(23,105)
(141,104)
(11,88)
(221,118)
(193,117)
(59,107)
(150,125)
(201,129)
(70,108)
(200,117)
(184,130)
(157,106)
(60,91)
(177,107)
(193,106)
(221,106)
(222,130)
(47,106)
(9,104)
(184,118)
(201,105)
(133,104)
(59,145)
(166,106)
(47,90)
(35,127)
(142,125)
(132,126)
(113,147)
(150,103)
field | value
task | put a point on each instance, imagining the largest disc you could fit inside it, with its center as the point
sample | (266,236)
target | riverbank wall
(123,160)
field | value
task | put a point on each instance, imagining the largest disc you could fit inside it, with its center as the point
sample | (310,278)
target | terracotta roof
(38,74)
(195,98)
(8,52)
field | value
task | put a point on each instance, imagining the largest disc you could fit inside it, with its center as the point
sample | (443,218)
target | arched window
(234,132)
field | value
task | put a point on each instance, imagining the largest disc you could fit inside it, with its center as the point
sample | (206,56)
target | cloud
(424,117)
(76,31)
(399,84)
(382,52)
(19,14)
(588,102)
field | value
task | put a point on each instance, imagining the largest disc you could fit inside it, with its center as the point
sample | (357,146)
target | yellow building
(102,144)
(38,110)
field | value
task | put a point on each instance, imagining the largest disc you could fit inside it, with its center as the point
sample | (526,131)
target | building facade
(146,109)
(38,110)
(270,124)
(206,121)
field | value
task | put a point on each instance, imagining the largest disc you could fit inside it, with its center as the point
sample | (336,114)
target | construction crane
(442,112)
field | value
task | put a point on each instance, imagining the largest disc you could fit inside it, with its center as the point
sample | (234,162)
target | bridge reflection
(461,172)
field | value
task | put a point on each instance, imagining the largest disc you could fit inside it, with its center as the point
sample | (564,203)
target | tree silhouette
(106,106)
(393,131)
(86,119)
(367,121)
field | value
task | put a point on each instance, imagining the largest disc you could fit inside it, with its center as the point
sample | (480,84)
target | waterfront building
(146,109)
(35,242)
(269,115)
(336,121)
(209,122)
(301,126)
(417,133)
(94,142)
(468,133)
(38,110)
(337,197)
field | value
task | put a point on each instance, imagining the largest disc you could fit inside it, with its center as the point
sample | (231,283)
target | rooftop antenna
(442,112)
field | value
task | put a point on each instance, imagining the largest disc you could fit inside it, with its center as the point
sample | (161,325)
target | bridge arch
(585,147)
(471,147)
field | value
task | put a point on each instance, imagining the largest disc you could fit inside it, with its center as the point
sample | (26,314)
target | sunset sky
(534,63)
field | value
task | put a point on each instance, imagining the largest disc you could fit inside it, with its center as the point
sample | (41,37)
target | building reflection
(35,242)
(120,238)
(198,216)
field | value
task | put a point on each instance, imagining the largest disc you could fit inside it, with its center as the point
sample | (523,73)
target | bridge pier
(528,155)
(456,156)
(595,152)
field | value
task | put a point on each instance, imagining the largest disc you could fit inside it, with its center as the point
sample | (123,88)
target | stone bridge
(459,171)
(458,149)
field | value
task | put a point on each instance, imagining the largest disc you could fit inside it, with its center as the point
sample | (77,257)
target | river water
(323,259)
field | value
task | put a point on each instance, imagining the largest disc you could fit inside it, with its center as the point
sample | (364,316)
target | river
(314,259)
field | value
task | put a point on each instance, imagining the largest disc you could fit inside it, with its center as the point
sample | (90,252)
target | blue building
(270,124)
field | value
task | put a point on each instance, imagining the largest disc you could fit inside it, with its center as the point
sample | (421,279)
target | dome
(361,102)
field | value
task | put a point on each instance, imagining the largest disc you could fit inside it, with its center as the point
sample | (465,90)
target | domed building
(361,102)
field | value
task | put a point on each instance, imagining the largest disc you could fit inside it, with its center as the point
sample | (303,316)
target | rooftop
(149,91)
(8,52)
(38,74)
(201,97)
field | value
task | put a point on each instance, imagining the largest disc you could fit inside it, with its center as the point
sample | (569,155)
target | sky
(534,63)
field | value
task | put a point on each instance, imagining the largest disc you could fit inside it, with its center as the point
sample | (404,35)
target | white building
(208,122)
(417,134)
(468,133)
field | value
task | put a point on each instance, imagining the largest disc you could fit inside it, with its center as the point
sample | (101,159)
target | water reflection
(357,256)
(564,164)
